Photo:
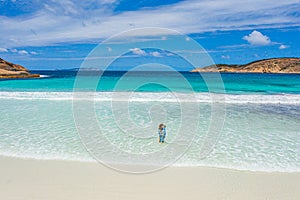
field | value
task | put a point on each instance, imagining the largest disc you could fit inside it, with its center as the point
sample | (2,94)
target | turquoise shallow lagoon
(260,131)
(233,83)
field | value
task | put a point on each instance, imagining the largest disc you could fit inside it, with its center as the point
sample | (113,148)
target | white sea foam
(160,96)
(44,76)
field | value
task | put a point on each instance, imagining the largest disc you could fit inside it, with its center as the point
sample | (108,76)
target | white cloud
(257,38)
(66,7)
(14,50)
(138,51)
(225,57)
(156,54)
(23,52)
(109,49)
(256,55)
(283,46)
(33,53)
(3,50)
(68,21)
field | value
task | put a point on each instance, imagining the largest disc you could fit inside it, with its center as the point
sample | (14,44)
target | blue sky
(57,34)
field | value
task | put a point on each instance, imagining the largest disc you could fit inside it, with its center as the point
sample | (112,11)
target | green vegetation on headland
(273,65)
(10,70)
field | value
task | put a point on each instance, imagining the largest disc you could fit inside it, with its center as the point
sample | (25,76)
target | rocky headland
(273,65)
(9,70)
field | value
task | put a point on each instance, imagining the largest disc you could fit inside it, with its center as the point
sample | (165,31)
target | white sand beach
(40,179)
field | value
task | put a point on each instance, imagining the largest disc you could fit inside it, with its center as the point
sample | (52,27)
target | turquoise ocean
(260,131)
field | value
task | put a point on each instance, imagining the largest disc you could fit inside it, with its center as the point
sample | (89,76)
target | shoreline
(52,179)
(92,161)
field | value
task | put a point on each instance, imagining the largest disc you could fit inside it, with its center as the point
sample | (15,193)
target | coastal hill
(10,70)
(273,65)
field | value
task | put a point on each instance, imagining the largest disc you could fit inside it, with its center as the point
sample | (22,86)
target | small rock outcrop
(9,70)
(274,65)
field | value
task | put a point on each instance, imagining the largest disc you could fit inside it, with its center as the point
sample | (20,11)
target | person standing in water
(162,133)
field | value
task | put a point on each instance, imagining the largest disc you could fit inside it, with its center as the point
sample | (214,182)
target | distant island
(273,65)
(9,70)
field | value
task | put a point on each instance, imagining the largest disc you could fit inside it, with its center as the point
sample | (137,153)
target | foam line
(161,97)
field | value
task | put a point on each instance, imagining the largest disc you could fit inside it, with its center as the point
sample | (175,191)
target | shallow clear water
(234,83)
(260,130)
